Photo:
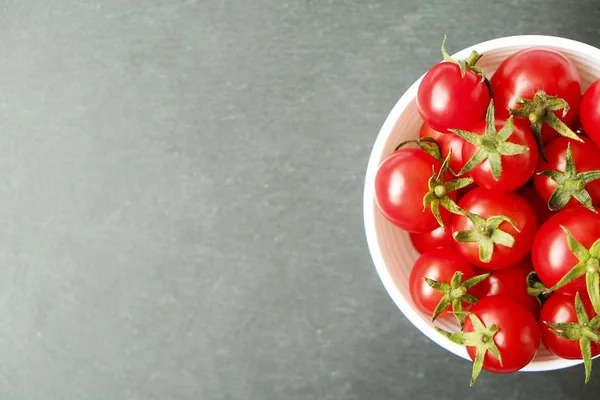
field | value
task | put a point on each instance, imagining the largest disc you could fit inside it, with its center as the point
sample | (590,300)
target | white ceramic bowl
(390,247)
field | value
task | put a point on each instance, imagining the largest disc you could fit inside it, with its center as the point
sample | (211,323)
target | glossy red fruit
(438,265)
(516,169)
(590,112)
(542,212)
(447,142)
(487,204)
(436,239)
(518,336)
(512,283)
(551,255)
(447,100)
(586,157)
(401,183)
(528,71)
(560,308)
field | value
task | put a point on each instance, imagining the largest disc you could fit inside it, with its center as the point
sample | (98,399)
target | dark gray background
(181,197)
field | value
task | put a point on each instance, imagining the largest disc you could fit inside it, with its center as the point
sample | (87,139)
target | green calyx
(584,330)
(427,144)
(492,145)
(540,110)
(455,293)
(588,265)
(439,190)
(571,184)
(486,233)
(482,338)
(467,64)
(536,288)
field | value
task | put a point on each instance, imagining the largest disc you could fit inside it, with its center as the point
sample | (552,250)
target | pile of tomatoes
(500,195)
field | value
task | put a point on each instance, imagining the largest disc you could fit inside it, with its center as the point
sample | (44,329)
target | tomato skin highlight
(586,157)
(551,255)
(436,239)
(511,283)
(518,338)
(560,308)
(447,100)
(590,112)
(401,183)
(438,265)
(522,74)
(486,203)
(516,169)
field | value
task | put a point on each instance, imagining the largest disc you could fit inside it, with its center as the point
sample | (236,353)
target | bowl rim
(398,298)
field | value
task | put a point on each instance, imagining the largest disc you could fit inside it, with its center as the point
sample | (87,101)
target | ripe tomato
(447,142)
(540,207)
(518,336)
(560,308)
(528,71)
(551,255)
(516,169)
(586,157)
(400,185)
(447,100)
(590,112)
(436,239)
(438,265)
(486,204)
(511,283)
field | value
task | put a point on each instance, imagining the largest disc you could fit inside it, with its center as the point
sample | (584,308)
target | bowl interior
(390,247)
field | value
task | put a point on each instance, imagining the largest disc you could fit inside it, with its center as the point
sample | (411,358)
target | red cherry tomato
(510,283)
(436,239)
(486,204)
(401,183)
(590,112)
(516,169)
(447,142)
(542,212)
(447,100)
(560,308)
(517,339)
(551,255)
(524,73)
(438,265)
(586,157)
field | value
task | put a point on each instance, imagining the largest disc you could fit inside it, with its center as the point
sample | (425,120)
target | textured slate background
(181,197)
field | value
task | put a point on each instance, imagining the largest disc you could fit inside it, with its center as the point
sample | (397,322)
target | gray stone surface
(181,197)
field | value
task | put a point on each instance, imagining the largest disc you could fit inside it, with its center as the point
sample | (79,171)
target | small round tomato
(511,283)
(528,71)
(518,336)
(474,233)
(447,142)
(590,112)
(447,100)
(551,255)
(516,169)
(438,265)
(401,183)
(560,308)
(542,212)
(585,156)
(436,239)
